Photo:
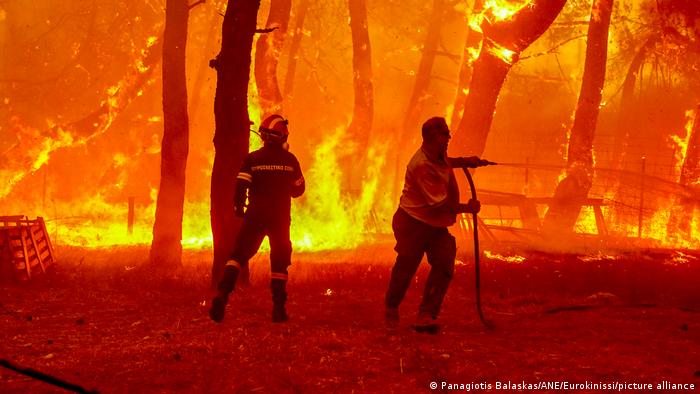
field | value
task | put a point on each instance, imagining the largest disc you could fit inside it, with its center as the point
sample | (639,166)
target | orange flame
(39,147)
(495,11)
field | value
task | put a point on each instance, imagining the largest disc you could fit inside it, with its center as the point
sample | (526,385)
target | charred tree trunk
(573,189)
(267,54)
(680,219)
(166,249)
(502,44)
(297,35)
(232,133)
(471,45)
(363,112)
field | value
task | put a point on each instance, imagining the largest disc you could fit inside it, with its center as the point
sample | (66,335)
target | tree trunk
(471,44)
(573,190)
(199,92)
(425,68)
(625,117)
(232,133)
(503,42)
(297,35)
(363,112)
(267,54)
(410,133)
(166,248)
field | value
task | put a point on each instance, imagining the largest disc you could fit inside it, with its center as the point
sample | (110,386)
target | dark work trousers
(253,230)
(413,239)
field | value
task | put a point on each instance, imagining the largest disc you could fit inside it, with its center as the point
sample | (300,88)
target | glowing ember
(502,53)
(509,259)
(496,10)
(598,257)
(680,258)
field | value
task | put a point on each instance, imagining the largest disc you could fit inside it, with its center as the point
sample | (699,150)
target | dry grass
(102,321)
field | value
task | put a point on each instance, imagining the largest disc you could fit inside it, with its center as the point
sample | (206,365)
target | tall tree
(674,46)
(625,116)
(297,34)
(503,42)
(425,68)
(363,112)
(573,189)
(267,54)
(471,45)
(166,248)
(411,124)
(232,132)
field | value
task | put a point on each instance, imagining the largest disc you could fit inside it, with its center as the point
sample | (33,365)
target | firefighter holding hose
(269,177)
(429,204)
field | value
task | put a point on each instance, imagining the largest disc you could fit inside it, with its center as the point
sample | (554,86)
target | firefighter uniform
(271,177)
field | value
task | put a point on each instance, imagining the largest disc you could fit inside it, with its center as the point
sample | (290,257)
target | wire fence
(630,199)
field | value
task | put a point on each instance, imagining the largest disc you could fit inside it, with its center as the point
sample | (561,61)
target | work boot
(218,307)
(279,298)
(425,323)
(226,286)
(391,317)
(279,314)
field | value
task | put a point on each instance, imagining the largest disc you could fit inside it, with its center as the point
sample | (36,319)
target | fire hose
(475,231)
(45,378)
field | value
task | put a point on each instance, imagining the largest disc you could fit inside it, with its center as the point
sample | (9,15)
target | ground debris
(163,341)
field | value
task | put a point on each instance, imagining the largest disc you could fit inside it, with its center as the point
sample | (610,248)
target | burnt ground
(103,322)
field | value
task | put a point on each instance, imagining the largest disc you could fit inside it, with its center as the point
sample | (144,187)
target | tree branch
(554,48)
(197,3)
(267,30)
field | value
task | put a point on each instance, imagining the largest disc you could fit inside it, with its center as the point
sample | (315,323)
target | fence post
(641,198)
(130,216)
(527,175)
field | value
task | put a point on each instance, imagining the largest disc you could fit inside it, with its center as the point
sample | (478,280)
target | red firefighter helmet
(274,129)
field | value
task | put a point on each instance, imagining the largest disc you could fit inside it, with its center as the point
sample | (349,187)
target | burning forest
(146,145)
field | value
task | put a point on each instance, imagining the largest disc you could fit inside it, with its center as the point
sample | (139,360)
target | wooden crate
(25,247)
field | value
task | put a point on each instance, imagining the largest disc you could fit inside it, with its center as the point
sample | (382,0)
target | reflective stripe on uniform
(245,176)
(234,264)
(299,181)
(276,275)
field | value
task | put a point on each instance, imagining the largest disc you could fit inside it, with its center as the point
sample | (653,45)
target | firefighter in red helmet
(269,178)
